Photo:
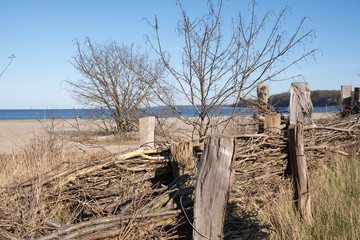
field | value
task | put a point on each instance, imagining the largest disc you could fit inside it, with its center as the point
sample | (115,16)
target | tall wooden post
(301,107)
(212,187)
(356,100)
(346,97)
(147,132)
(301,110)
(299,171)
(263,99)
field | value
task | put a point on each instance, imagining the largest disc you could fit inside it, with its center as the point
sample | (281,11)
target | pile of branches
(136,196)
(334,137)
(132,196)
(127,196)
(260,164)
(261,160)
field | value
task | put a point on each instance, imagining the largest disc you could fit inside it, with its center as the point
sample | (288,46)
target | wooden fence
(212,177)
(217,165)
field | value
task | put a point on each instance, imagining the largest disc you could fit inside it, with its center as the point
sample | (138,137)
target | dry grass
(32,205)
(335,203)
(42,155)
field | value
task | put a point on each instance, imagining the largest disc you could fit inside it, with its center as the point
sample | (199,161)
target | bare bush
(114,81)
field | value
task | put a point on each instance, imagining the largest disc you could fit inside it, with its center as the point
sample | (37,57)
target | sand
(15,134)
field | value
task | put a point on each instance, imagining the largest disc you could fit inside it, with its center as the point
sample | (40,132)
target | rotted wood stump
(182,158)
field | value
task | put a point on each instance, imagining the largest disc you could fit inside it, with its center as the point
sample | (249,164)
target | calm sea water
(26,114)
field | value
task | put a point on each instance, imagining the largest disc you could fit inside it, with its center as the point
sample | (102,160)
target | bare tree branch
(10,61)
(218,69)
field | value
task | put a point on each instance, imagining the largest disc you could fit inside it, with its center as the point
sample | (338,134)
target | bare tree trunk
(202,130)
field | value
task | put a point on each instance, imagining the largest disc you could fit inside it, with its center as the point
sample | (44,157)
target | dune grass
(335,203)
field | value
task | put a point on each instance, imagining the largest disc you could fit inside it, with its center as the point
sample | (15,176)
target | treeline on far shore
(319,98)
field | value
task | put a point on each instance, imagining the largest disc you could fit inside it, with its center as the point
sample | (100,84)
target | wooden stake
(272,123)
(301,107)
(346,97)
(147,132)
(212,188)
(263,94)
(357,100)
(299,171)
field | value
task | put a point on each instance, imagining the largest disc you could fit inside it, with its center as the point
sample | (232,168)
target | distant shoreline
(43,114)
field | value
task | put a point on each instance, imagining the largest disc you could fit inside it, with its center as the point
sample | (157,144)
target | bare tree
(218,69)
(10,61)
(113,79)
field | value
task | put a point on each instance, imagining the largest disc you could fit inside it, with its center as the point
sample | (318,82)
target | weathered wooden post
(182,158)
(356,100)
(263,99)
(301,107)
(147,132)
(272,123)
(346,91)
(263,94)
(299,171)
(301,110)
(212,187)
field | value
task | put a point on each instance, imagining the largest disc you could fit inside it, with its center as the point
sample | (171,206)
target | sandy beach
(15,134)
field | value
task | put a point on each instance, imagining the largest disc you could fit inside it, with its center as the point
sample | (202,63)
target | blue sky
(41,33)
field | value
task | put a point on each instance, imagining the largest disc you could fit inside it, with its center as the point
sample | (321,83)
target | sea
(36,114)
